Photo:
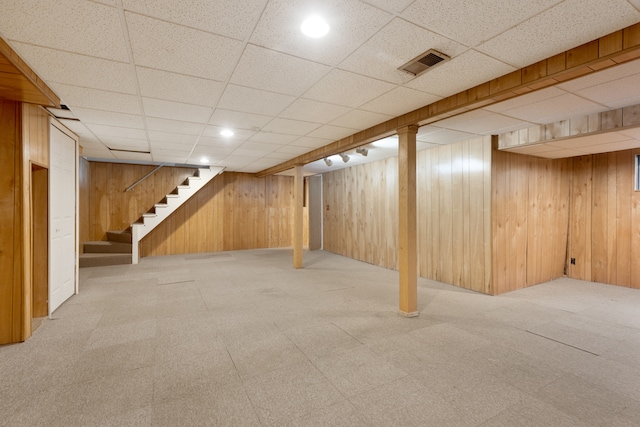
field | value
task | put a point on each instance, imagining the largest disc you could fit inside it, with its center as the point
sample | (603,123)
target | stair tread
(106,246)
(101,260)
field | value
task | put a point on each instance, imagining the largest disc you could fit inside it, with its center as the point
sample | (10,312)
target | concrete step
(119,236)
(106,247)
(99,260)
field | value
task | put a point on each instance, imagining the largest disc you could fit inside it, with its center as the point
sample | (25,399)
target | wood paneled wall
(454,214)
(111,208)
(530,217)
(361,212)
(11,266)
(84,190)
(604,234)
(24,140)
(234,211)
(453,203)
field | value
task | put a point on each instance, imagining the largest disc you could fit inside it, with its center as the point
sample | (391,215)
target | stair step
(161,205)
(99,260)
(183,187)
(119,236)
(106,247)
(194,177)
(172,196)
(149,215)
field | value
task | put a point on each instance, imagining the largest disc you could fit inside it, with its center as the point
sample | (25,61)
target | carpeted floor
(241,338)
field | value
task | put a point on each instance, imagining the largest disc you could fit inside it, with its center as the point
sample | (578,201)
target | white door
(62,215)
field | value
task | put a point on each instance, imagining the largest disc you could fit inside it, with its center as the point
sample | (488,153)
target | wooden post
(407,228)
(298,202)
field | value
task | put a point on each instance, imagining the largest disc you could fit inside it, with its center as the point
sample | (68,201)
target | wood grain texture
(111,208)
(298,213)
(40,241)
(453,199)
(604,237)
(530,214)
(84,188)
(10,250)
(232,212)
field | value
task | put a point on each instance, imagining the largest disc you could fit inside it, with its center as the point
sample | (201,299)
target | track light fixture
(363,151)
(344,157)
(328,161)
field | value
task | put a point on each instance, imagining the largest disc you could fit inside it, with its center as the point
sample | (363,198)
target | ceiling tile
(165,125)
(273,138)
(212,153)
(258,165)
(230,18)
(76,96)
(554,109)
(523,101)
(219,142)
(170,47)
(631,133)
(604,76)
(293,150)
(443,136)
(266,69)
(482,19)
(346,88)
(332,132)
(560,154)
(567,25)
(96,153)
(110,118)
(103,130)
(178,87)
(586,141)
(291,127)
(89,28)
(260,147)
(313,111)
(119,143)
(255,101)
(390,5)
(175,139)
(615,94)
(236,120)
(278,156)
(360,119)
(309,142)
(176,110)
(629,144)
(237,162)
(482,122)
(239,134)
(396,44)
(461,73)
(56,66)
(352,23)
(399,101)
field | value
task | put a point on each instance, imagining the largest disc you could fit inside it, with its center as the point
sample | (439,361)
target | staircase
(121,247)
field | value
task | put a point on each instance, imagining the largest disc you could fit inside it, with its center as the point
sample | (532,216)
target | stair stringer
(163,210)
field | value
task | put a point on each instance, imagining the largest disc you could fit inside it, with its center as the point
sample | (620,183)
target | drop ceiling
(157,80)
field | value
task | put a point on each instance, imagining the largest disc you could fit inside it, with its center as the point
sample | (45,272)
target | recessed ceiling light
(204,160)
(314,27)
(226,132)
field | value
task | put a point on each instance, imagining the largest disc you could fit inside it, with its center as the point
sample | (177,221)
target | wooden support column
(407,227)
(298,202)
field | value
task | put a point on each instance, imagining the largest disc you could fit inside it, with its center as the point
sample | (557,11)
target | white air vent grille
(424,62)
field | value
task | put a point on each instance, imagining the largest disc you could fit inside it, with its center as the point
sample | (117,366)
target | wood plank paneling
(530,218)
(604,236)
(40,241)
(454,212)
(84,189)
(234,211)
(111,208)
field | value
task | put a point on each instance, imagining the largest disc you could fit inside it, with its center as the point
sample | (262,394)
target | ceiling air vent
(424,62)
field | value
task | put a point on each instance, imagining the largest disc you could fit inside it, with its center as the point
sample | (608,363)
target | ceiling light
(345,158)
(328,161)
(204,160)
(226,132)
(314,27)
(363,151)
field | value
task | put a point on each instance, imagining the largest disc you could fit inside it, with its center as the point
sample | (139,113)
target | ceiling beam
(610,50)
(18,82)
